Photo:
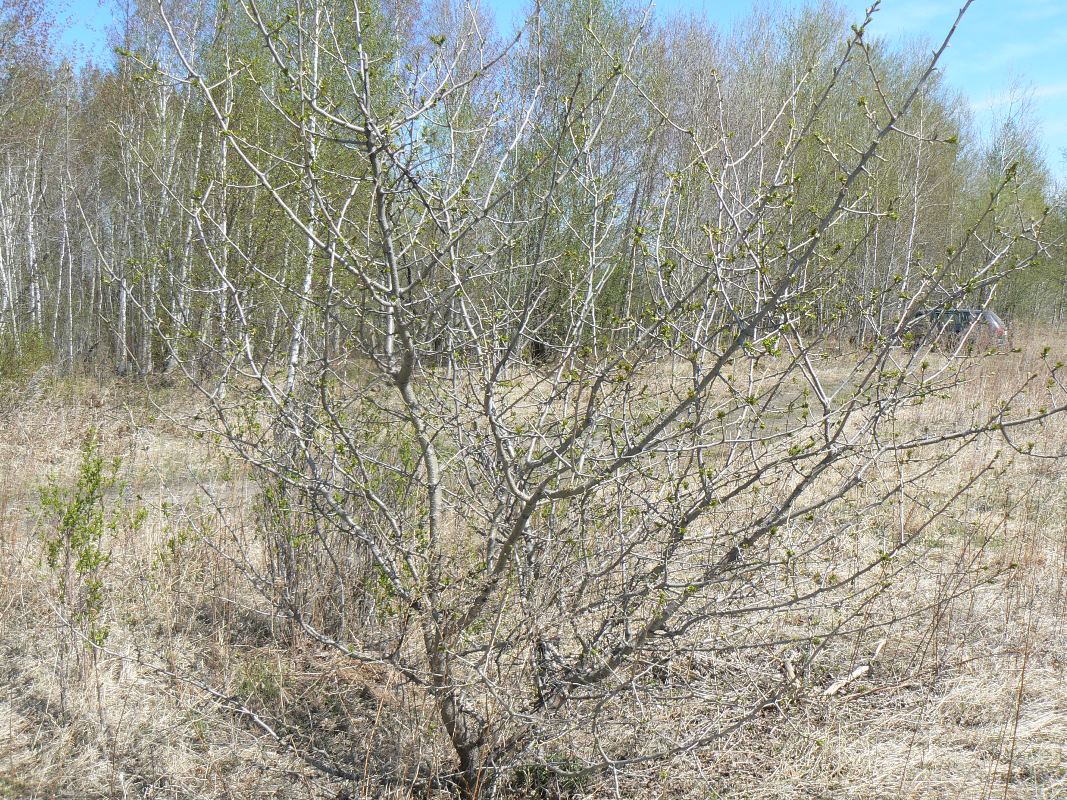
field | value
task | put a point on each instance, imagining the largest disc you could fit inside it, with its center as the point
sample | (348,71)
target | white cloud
(1046,91)
(1056,129)
(1021,51)
(904,18)
(1038,11)
(1051,90)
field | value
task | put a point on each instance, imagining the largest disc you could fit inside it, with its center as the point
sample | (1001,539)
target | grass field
(964,697)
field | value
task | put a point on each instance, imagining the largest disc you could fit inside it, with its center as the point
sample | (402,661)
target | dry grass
(968,698)
(80,725)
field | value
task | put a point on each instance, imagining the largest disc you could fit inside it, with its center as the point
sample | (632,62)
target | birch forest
(152,203)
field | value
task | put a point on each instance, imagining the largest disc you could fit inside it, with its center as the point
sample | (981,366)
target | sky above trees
(1005,53)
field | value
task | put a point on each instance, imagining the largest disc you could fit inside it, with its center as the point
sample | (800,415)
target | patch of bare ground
(201,691)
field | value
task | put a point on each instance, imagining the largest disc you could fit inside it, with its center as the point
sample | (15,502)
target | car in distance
(949,327)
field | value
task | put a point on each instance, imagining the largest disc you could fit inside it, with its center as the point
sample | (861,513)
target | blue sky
(1001,49)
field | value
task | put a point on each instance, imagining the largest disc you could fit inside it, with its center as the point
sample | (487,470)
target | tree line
(144,209)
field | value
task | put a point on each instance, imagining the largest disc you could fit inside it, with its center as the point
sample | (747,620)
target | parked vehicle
(949,327)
